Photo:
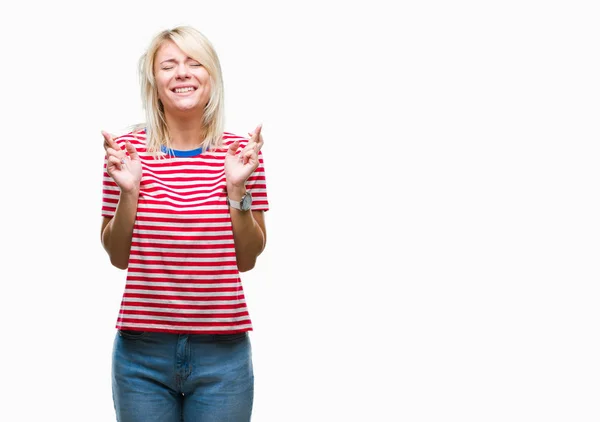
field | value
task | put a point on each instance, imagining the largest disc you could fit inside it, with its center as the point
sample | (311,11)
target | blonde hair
(198,47)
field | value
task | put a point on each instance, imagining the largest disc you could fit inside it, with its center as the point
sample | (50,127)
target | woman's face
(183,84)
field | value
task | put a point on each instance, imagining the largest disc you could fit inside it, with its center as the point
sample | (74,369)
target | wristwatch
(243,204)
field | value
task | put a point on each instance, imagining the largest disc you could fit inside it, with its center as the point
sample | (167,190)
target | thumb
(233,148)
(132,151)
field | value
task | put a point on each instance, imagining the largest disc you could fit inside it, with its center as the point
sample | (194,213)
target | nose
(182,71)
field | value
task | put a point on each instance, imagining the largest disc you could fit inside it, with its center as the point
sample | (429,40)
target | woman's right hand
(125,170)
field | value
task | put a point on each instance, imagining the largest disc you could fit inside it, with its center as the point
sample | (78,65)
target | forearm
(248,234)
(249,238)
(116,236)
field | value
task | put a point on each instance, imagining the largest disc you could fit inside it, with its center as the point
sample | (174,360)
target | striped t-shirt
(182,275)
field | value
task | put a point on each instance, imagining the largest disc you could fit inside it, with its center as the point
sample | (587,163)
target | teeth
(181,90)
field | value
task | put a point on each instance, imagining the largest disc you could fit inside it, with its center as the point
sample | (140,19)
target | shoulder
(137,138)
(229,138)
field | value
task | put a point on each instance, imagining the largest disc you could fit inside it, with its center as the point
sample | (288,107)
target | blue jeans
(182,377)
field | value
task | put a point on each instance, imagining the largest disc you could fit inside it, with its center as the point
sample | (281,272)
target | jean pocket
(132,334)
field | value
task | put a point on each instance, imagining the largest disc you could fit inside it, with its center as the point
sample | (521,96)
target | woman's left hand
(238,167)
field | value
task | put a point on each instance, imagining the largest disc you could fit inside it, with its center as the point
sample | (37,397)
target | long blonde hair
(198,47)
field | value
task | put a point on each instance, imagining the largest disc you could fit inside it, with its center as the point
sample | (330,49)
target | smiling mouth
(183,90)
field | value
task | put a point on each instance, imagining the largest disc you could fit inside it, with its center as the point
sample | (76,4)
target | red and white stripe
(182,275)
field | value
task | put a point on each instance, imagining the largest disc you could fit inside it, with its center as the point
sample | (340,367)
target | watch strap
(234,204)
(243,204)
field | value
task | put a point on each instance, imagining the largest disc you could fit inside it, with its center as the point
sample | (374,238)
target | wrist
(131,193)
(236,192)
(244,204)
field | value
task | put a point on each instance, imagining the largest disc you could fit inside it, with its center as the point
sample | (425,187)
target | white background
(433,237)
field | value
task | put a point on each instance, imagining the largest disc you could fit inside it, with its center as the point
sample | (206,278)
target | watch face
(246,201)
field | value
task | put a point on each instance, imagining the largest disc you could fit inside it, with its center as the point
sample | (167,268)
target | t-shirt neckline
(181,153)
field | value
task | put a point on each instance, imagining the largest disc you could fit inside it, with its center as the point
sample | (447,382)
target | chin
(188,107)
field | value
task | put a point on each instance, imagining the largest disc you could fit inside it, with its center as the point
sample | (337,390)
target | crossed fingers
(114,154)
(255,143)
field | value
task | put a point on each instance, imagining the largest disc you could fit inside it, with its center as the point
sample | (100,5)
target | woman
(183,205)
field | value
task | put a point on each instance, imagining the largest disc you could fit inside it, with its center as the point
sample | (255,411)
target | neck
(186,133)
